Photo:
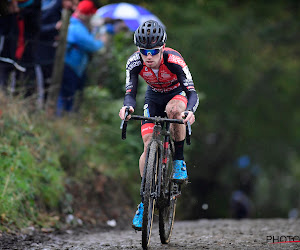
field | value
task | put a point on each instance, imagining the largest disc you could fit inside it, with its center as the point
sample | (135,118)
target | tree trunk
(58,66)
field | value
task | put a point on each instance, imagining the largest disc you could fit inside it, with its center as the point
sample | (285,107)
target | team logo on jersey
(133,61)
(187,73)
(127,77)
(177,60)
(147,74)
(133,65)
(165,75)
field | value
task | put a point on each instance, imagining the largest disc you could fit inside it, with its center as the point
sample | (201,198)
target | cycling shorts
(155,105)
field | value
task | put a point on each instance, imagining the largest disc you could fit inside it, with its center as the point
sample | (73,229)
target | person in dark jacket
(29,28)
(48,40)
(8,39)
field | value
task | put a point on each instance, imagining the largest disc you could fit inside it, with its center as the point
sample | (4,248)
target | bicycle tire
(168,206)
(149,200)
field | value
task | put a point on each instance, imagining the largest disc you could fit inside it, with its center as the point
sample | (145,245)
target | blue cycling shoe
(138,218)
(180,172)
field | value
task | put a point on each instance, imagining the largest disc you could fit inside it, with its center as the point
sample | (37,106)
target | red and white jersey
(173,73)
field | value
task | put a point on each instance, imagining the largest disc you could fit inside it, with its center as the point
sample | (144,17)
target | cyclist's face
(153,61)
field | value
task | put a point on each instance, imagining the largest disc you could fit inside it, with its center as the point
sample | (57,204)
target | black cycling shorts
(155,105)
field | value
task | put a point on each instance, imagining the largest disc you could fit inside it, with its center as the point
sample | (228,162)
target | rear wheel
(149,193)
(168,202)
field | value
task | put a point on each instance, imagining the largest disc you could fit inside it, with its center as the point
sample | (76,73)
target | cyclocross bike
(157,187)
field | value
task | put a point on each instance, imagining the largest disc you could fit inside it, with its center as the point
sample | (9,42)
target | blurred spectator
(80,45)
(107,26)
(241,204)
(8,39)
(29,20)
(48,40)
(8,7)
(293,213)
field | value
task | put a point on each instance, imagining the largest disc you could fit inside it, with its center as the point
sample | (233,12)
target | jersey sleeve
(133,67)
(177,65)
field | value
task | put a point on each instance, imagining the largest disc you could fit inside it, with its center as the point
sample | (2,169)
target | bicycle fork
(158,170)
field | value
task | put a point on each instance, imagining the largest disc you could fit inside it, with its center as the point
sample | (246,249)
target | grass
(31,177)
(39,155)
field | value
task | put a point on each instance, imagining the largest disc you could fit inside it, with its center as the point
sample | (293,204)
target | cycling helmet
(149,35)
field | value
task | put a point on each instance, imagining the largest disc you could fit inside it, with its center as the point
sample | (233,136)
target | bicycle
(157,187)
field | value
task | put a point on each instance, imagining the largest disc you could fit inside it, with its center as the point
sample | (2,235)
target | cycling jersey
(173,74)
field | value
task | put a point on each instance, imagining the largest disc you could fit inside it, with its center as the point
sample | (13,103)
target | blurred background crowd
(30,35)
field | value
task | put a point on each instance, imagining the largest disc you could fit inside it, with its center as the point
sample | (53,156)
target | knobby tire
(149,201)
(167,206)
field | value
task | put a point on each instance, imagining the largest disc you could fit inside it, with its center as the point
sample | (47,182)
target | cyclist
(170,89)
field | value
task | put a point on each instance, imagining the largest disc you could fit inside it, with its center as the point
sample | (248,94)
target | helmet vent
(149,35)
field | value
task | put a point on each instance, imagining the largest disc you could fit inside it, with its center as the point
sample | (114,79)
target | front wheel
(168,204)
(166,221)
(149,192)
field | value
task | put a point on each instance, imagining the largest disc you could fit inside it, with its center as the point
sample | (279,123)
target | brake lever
(188,130)
(123,126)
(125,116)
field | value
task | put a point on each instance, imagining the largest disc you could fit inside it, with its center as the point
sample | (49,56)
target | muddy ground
(201,234)
(99,222)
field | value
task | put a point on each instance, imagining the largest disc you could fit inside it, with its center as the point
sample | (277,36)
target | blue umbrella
(133,15)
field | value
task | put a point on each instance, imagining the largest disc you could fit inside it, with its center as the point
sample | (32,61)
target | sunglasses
(152,52)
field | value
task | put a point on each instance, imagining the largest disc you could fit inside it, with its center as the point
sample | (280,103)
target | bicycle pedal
(175,196)
(186,182)
(136,229)
(179,182)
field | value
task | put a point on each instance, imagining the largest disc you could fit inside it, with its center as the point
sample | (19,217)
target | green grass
(31,177)
(39,155)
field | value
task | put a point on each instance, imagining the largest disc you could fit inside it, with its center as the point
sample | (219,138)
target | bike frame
(158,131)
(160,143)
